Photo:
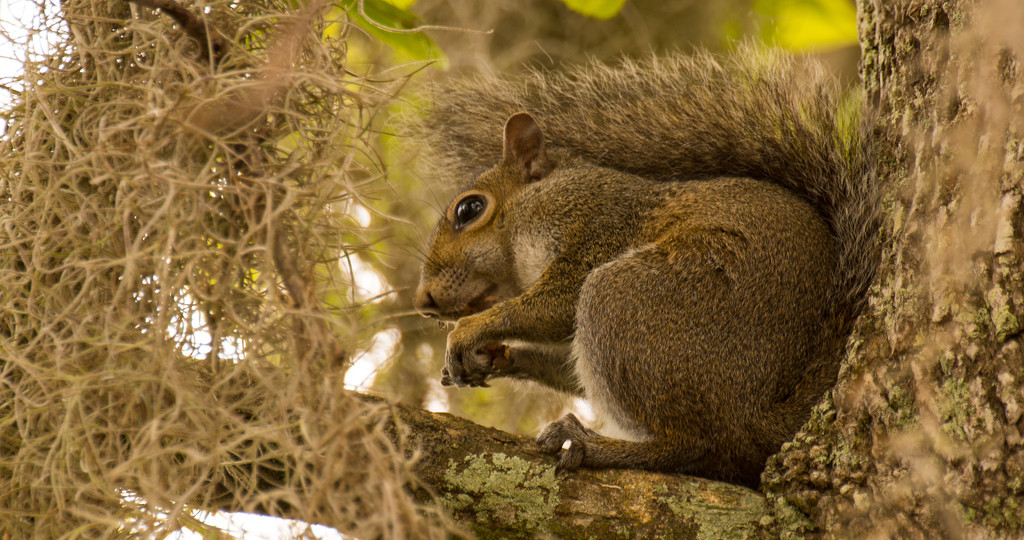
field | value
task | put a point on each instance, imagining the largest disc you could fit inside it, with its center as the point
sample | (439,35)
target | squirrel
(685,241)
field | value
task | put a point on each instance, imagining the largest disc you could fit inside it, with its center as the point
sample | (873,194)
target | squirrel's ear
(524,146)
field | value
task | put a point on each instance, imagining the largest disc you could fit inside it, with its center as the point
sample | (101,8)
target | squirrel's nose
(424,303)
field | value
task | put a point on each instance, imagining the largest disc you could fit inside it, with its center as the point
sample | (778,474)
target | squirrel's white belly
(612,421)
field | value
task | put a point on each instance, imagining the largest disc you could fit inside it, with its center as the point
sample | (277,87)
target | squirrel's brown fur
(685,240)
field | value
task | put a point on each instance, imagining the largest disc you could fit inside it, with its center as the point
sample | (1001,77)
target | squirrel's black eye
(469,209)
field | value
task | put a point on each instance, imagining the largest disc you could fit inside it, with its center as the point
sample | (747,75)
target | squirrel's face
(469,265)
(467,268)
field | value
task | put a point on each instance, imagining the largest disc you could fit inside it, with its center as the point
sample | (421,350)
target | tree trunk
(923,434)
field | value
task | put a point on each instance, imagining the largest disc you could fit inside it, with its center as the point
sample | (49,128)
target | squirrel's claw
(446,379)
(568,438)
(570,459)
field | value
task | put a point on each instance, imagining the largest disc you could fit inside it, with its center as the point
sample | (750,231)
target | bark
(922,436)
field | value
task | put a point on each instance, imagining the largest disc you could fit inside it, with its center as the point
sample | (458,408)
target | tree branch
(500,485)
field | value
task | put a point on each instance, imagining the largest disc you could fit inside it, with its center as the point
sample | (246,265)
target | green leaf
(380,15)
(598,9)
(805,25)
(401,4)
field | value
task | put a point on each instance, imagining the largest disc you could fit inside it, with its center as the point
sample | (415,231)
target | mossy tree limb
(501,486)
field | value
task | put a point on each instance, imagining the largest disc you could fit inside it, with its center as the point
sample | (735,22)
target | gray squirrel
(685,241)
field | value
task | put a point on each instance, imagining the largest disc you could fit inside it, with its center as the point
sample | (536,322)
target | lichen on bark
(506,489)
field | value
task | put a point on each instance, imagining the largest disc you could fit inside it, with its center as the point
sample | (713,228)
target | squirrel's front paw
(467,364)
(471,371)
(569,439)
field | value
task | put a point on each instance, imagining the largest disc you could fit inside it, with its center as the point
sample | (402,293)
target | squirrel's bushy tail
(753,113)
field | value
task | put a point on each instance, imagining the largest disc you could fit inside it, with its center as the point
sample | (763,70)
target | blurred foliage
(598,9)
(808,25)
(390,23)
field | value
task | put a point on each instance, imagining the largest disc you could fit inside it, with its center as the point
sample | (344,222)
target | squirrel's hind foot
(568,438)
